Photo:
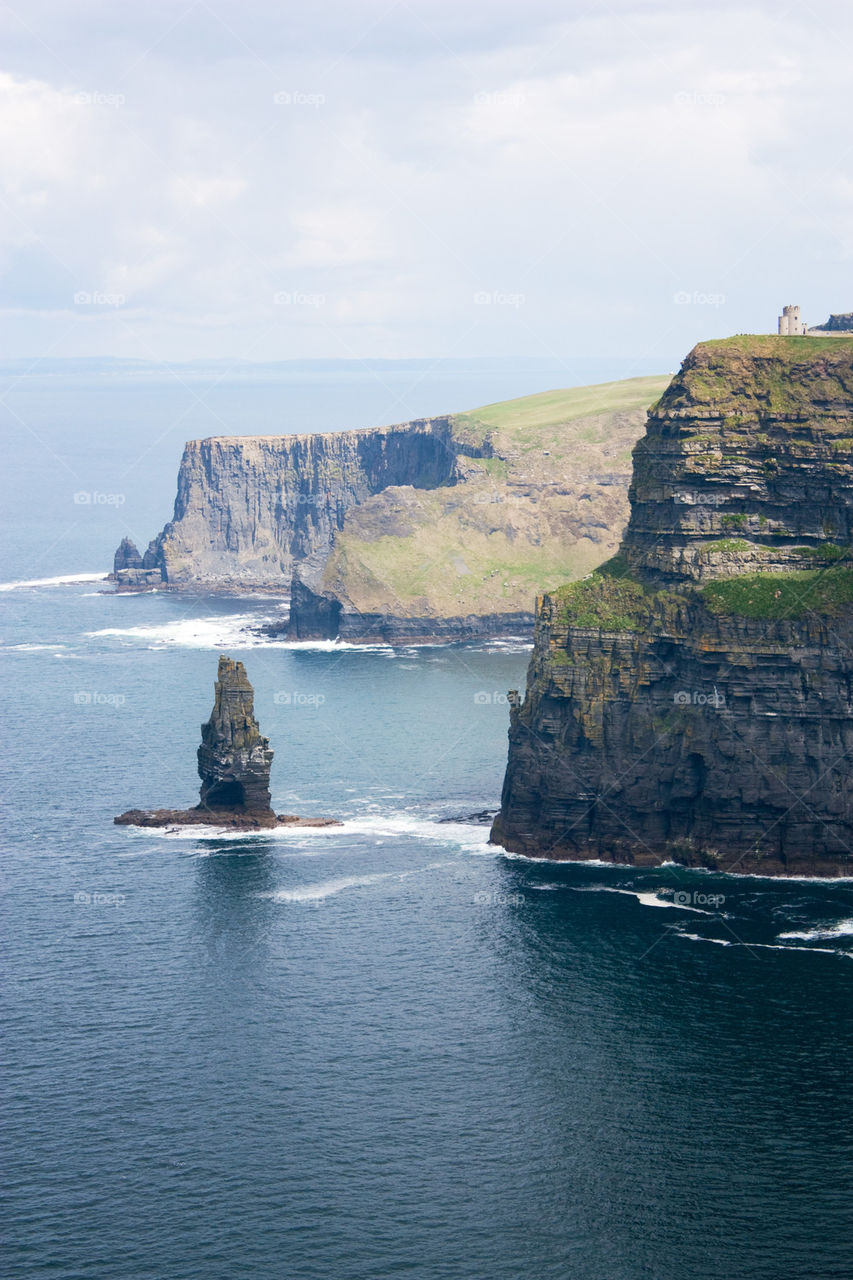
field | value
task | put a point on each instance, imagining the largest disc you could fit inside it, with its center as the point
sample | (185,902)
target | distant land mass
(692,700)
(443,528)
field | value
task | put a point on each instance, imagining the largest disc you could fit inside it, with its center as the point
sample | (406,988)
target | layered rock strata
(438,529)
(248,509)
(693,700)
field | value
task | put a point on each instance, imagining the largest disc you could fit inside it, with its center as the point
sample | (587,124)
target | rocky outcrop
(437,528)
(842,323)
(692,701)
(130,569)
(249,508)
(234,762)
(746,464)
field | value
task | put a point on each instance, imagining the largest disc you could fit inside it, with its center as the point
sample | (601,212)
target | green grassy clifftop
(547,504)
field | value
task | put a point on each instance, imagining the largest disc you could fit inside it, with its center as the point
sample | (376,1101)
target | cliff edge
(437,529)
(692,700)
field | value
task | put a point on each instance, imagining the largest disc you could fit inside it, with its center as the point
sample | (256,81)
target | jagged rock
(679,705)
(127,556)
(234,762)
(132,570)
(842,323)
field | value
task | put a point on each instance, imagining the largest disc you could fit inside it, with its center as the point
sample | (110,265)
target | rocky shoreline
(225,818)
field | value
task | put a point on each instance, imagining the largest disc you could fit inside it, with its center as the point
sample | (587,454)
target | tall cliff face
(747,462)
(693,700)
(438,529)
(248,509)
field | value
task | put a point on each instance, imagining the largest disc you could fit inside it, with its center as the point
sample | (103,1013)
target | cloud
(200,161)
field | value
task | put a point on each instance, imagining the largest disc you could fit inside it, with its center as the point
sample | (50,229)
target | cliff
(249,508)
(692,700)
(441,528)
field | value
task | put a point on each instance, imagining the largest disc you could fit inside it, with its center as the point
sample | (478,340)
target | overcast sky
(356,178)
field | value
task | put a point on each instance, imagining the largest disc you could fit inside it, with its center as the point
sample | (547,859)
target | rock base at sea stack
(217,818)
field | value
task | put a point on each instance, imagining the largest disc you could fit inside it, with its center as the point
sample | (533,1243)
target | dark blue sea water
(385,1049)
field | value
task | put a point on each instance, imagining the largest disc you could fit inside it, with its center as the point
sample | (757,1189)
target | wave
(467,837)
(764,946)
(328,888)
(223,631)
(645,899)
(64,580)
(844,929)
(32,648)
(738,876)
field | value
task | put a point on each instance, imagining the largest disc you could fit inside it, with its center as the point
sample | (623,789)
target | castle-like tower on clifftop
(790,321)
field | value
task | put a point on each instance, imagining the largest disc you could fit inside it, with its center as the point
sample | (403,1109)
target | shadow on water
(233,911)
(665,1046)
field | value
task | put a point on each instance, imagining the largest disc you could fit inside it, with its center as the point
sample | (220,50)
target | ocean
(384,1049)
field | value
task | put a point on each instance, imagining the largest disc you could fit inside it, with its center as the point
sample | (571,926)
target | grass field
(548,507)
(549,409)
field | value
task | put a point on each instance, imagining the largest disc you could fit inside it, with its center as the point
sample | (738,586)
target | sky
(419,178)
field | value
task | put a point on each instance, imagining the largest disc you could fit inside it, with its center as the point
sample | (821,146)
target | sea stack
(234,762)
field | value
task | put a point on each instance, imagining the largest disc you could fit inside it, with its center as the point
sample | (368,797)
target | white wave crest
(843,929)
(64,580)
(645,899)
(764,946)
(462,836)
(220,631)
(328,888)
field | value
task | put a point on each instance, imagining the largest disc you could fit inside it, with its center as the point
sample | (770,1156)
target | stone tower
(234,759)
(790,322)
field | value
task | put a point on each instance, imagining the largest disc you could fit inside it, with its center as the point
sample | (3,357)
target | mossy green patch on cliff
(781,595)
(604,602)
(728,544)
(825,551)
